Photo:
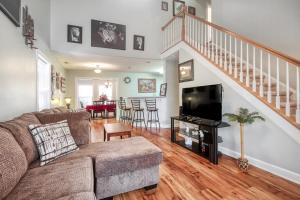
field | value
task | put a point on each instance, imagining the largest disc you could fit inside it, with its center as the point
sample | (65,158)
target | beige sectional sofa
(96,171)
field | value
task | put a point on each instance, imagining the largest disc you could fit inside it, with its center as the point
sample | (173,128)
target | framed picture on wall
(108,35)
(177,6)
(186,71)
(75,34)
(146,85)
(139,42)
(164,5)
(192,10)
(163,90)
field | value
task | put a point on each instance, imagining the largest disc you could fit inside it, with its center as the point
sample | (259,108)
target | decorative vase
(243,164)
(242,161)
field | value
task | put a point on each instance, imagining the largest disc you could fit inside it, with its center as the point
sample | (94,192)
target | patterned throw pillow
(52,140)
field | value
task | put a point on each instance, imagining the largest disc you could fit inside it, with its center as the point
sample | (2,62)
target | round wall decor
(127,80)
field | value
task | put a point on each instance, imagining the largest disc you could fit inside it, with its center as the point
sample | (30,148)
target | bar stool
(152,113)
(125,112)
(138,113)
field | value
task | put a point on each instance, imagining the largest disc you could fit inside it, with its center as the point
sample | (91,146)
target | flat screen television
(11,8)
(204,102)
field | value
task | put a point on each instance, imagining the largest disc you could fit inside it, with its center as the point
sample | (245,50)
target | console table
(210,131)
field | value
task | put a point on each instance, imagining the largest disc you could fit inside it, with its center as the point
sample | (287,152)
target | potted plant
(243,117)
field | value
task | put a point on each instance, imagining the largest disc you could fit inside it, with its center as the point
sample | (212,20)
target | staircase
(269,75)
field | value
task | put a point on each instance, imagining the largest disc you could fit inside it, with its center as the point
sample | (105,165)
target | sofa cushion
(79,124)
(13,163)
(79,196)
(55,181)
(53,140)
(19,128)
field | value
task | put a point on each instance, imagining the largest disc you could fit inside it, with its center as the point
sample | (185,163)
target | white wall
(274,23)
(142,17)
(18,62)
(171,78)
(123,90)
(264,141)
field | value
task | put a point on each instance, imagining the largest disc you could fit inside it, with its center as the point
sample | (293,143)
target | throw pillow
(52,140)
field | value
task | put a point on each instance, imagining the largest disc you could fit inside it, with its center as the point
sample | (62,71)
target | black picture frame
(12,9)
(164,6)
(75,34)
(175,2)
(139,42)
(163,90)
(188,68)
(192,10)
(108,35)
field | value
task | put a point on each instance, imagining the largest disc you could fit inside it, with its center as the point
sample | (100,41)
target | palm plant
(243,117)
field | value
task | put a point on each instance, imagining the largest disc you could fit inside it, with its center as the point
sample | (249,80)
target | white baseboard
(286,174)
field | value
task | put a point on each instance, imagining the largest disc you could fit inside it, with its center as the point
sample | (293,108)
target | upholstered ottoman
(127,165)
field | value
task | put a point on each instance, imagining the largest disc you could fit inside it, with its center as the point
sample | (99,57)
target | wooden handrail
(240,37)
(171,20)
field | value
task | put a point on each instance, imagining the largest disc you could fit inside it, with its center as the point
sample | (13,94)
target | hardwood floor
(185,175)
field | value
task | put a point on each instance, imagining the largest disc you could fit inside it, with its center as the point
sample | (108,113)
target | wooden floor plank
(187,176)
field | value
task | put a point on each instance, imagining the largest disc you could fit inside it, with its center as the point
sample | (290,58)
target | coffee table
(116,129)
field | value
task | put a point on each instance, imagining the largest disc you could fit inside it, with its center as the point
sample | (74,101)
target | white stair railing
(262,73)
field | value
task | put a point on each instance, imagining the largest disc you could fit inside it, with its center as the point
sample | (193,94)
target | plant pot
(243,164)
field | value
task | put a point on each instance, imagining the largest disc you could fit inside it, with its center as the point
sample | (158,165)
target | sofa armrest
(79,123)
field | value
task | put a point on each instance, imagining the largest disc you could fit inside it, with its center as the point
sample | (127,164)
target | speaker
(180,110)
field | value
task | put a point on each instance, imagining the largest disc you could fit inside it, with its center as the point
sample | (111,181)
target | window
(88,90)
(85,95)
(104,90)
(43,83)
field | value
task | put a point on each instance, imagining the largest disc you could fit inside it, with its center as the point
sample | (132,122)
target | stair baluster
(209,42)
(269,96)
(241,62)
(202,37)
(254,71)
(230,56)
(298,97)
(221,49)
(205,40)
(261,88)
(235,59)
(247,65)
(198,35)
(287,106)
(225,52)
(277,84)
(212,45)
(217,48)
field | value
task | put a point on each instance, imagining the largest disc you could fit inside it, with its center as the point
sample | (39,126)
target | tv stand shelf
(209,148)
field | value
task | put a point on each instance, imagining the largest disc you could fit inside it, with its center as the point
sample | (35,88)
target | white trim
(289,175)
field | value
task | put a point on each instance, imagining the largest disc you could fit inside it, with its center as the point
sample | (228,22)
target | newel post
(183,23)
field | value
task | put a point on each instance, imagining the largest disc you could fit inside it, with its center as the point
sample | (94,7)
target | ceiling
(109,63)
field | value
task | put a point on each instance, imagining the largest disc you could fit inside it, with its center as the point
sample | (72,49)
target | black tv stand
(210,131)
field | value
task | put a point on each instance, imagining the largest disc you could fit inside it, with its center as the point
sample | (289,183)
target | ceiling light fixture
(97,70)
